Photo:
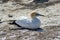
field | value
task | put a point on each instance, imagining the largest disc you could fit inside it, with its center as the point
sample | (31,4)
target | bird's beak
(39,15)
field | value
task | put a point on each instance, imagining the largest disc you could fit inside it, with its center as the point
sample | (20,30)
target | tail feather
(14,23)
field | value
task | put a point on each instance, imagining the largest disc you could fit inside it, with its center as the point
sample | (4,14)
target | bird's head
(34,14)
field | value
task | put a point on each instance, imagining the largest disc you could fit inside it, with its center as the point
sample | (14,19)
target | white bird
(32,23)
(25,22)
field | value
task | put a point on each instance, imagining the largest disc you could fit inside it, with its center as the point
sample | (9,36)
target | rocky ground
(12,9)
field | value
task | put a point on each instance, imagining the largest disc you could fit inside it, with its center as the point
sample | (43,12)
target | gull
(25,22)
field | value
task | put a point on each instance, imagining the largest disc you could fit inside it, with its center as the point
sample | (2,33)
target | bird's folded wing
(24,22)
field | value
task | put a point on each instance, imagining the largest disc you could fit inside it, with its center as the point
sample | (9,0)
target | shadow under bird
(40,1)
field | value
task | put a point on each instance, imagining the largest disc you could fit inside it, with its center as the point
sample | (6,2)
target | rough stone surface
(50,23)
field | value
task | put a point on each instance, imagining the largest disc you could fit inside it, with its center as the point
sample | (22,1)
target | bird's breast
(36,22)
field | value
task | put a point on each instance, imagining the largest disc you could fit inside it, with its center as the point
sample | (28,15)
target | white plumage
(26,23)
(32,23)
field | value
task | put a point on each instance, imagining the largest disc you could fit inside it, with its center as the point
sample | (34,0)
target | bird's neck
(34,18)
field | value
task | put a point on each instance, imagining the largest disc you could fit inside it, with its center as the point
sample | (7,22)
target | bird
(25,22)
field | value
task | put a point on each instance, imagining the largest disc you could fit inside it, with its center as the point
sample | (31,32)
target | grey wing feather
(24,22)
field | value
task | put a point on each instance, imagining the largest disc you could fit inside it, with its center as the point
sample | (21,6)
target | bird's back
(24,21)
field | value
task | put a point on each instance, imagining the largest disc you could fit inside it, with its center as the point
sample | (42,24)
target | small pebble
(10,15)
(2,10)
